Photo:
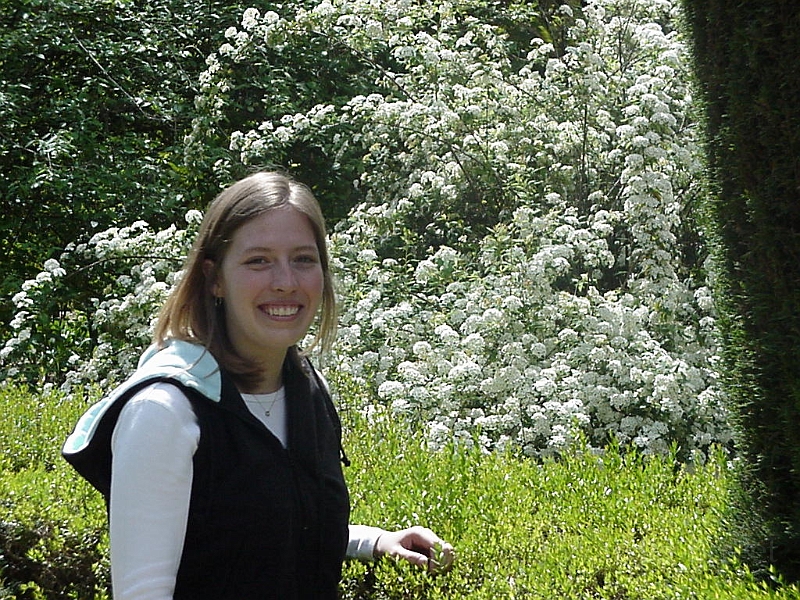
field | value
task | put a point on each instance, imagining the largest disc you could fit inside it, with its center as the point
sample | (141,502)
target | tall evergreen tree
(747,57)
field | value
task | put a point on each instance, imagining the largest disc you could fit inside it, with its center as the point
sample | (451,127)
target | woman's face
(271,281)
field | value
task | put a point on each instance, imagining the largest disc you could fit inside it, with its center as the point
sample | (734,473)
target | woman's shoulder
(160,406)
(162,393)
(188,364)
(184,364)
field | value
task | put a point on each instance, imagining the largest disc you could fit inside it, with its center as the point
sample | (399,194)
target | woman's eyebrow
(267,249)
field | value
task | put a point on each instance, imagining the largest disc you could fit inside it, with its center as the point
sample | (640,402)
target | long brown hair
(190,313)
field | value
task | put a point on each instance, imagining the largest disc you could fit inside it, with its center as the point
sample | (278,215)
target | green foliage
(33,428)
(52,536)
(52,523)
(96,98)
(612,525)
(746,56)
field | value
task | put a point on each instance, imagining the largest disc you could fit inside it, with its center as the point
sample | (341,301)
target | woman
(220,456)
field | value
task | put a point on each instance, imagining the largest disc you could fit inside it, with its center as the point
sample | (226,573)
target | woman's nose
(283,277)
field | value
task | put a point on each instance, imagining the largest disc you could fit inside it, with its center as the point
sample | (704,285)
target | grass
(618,526)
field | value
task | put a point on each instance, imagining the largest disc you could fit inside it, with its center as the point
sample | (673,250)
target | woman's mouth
(281,310)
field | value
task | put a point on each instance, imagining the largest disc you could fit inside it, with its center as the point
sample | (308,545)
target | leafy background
(516,255)
(529,350)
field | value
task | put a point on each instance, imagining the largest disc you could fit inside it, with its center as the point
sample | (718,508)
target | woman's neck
(270,378)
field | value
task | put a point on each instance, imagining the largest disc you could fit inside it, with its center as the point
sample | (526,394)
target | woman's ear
(210,272)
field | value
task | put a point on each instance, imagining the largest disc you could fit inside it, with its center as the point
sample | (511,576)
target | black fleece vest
(265,522)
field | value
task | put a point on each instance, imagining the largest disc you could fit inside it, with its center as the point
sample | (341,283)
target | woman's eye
(307,259)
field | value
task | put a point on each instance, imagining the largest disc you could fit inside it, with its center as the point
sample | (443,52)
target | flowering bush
(489,343)
(521,270)
(98,343)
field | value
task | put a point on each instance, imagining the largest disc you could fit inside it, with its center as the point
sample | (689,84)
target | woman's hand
(419,546)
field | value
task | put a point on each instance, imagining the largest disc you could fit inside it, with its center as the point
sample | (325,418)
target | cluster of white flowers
(98,343)
(488,346)
(547,296)
(578,315)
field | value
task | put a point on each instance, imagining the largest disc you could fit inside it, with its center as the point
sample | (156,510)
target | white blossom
(573,314)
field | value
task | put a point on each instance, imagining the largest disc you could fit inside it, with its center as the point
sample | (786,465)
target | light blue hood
(189,364)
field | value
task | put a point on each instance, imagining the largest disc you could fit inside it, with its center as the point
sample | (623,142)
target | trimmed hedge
(53,533)
(617,526)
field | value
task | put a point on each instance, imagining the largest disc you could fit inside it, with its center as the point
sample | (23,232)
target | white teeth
(282,311)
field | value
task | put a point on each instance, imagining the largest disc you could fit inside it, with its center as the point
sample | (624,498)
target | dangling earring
(218,301)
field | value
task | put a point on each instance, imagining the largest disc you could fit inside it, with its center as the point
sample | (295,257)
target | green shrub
(34,427)
(612,525)
(52,535)
(52,524)
(615,525)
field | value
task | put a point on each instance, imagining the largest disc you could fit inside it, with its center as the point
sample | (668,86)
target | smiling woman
(270,283)
(253,230)
(220,456)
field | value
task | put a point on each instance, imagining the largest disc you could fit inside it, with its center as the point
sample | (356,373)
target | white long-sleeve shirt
(152,447)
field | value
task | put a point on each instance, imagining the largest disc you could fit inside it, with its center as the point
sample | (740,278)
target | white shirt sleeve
(361,544)
(153,444)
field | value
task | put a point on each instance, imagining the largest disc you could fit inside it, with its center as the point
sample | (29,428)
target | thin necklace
(272,404)
(256,399)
